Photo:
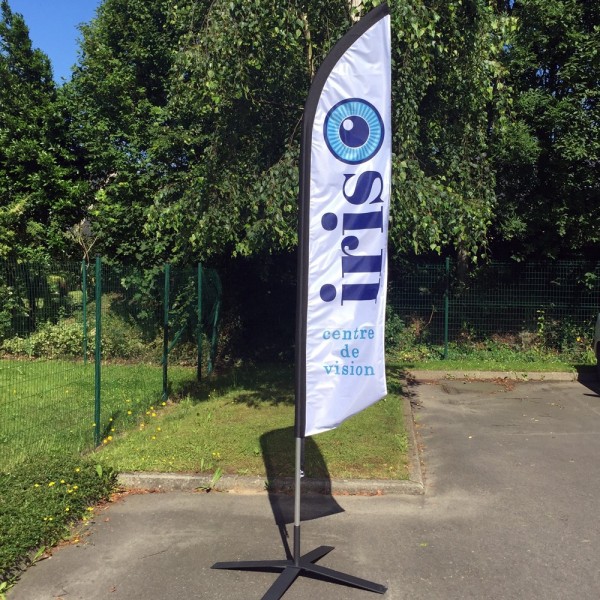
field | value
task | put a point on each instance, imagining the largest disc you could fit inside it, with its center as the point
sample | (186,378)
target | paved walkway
(512,492)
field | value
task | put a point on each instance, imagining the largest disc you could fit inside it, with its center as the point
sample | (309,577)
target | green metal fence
(85,348)
(552,304)
(44,396)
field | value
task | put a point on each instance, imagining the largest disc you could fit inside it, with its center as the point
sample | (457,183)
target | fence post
(98,350)
(84,308)
(199,334)
(165,359)
(213,341)
(446,307)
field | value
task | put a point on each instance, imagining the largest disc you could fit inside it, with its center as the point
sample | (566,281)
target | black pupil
(354,131)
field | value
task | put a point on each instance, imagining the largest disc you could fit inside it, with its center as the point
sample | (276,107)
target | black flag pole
(305,564)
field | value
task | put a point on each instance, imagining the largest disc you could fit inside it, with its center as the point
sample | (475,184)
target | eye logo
(353,131)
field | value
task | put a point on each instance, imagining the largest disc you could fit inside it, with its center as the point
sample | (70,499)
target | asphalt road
(512,493)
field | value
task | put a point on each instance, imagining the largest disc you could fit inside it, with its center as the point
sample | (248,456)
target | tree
(38,197)
(449,100)
(116,100)
(238,96)
(189,115)
(549,161)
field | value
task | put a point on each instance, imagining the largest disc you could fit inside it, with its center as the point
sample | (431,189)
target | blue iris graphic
(353,131)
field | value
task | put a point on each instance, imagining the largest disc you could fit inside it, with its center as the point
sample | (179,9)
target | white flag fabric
(344,194)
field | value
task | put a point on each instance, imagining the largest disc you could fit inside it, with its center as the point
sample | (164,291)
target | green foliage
(38,193)
(401,335)
(39,502)
(194,109)
(566,337)
(448,96)
(9,304)
(51,340)
(548,158)
(556,345)
(64,339)
(184,128)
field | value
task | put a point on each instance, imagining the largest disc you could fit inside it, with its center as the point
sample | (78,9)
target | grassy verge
(242,423)
(39,503)
(488,357)
(490,364)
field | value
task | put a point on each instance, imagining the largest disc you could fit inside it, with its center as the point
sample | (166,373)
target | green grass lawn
(48,406)
(490,364)
(242,423)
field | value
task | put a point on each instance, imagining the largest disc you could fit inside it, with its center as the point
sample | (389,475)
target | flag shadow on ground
(278,450)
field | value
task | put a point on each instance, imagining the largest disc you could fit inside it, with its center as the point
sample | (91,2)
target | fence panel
(50,314)
(46,397)
(552,304)
(63,388)
(416,295)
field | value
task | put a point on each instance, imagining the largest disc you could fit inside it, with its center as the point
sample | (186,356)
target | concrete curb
(510,375)
(169,482)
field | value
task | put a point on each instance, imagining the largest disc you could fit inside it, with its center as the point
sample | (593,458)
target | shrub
(64,339)
(120,340)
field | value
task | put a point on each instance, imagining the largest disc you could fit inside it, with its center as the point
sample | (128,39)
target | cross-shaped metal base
(291,569)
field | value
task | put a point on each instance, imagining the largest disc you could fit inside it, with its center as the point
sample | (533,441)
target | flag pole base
(292,569)
(303,564)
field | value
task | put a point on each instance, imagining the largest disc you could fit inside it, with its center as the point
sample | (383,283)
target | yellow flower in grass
(52,484)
